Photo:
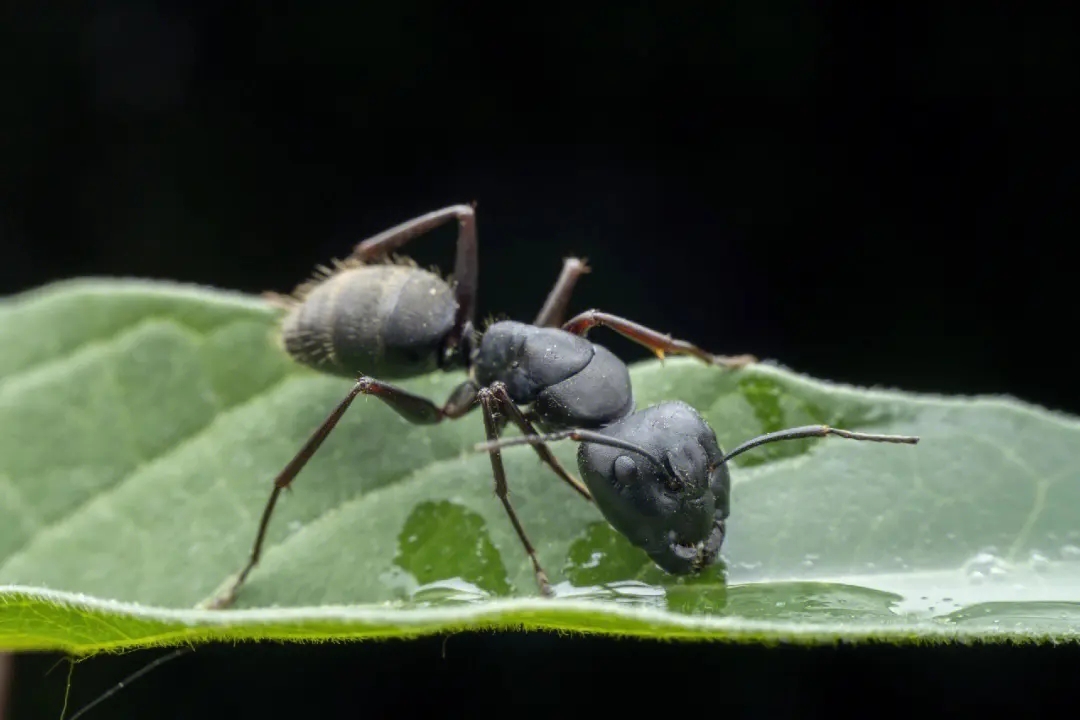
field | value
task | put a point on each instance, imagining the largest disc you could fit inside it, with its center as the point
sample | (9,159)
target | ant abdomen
(382,320)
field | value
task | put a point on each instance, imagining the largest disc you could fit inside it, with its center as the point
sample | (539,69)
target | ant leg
(489,403)
(381,245)
(554,309)
(466,262)
(511,410)
(657,342)
(415,409)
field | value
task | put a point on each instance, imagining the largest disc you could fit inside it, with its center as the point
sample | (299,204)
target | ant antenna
(580,435)
(797,433)
(132,678)
(808,431)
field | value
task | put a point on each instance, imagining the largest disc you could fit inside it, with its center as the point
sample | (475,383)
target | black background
(866,195)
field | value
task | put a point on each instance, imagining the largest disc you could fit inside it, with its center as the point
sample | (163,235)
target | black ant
(392,319)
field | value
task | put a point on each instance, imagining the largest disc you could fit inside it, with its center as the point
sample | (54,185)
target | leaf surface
(143,423)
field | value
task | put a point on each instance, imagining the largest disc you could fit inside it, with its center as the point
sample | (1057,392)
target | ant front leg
(466,262)
(510,409)
(659,343)
(489,402)
(554,309)
(414,408)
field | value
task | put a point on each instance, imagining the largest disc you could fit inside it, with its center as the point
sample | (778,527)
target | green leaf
(143,423)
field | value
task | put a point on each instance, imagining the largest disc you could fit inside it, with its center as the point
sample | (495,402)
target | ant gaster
(392,319)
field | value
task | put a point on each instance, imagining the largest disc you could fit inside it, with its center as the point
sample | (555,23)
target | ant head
(671,500)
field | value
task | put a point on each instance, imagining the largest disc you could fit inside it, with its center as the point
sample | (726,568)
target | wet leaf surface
(143,423)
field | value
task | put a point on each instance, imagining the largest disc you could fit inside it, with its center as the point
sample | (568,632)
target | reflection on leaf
(812,602)
(601,555)
(605,565)
(445,541)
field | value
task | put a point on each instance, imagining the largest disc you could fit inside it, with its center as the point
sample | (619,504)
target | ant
(373,313)
(377,315)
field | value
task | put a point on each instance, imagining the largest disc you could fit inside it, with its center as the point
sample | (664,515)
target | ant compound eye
(626,470)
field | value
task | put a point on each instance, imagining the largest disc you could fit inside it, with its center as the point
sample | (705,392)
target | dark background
(866,195)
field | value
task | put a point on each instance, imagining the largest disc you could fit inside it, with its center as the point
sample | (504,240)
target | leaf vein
(120,482)
(99,342)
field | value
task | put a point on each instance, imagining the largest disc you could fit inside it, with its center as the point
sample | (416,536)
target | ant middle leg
(490,405)
(414,408)
(659,343)
(554,309)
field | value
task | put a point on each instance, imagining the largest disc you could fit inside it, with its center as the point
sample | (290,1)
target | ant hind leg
(414,408)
